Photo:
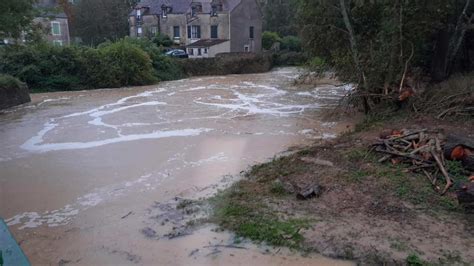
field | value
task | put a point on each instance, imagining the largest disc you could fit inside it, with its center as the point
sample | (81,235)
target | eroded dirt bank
(371,212)
(82,173)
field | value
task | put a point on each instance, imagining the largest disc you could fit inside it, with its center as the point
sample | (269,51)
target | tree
(279,16)
(96,21)
(15,16)
(382,44)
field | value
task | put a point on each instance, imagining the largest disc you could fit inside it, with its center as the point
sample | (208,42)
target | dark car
(178,53)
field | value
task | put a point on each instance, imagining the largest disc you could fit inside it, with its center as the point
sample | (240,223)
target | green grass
(245,213)
(414,260)
(278,189)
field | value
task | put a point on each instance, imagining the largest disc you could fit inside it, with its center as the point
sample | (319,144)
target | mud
(80,171)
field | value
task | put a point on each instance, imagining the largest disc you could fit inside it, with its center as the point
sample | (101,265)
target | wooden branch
(449,182)
(406,66)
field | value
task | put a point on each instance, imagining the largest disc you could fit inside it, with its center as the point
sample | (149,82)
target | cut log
(465,197)
(468,163)
(310,192)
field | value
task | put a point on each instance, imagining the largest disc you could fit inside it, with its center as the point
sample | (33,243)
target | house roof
(206,43)
(182,6)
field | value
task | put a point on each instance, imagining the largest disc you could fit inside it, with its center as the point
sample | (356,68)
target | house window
(214,32)
(164,11)
(214,11)
(194,32)
(154,30)
(55,28)
(176,33)
(246,48)
(139,31)
(58,43)
(139,15)
(251,32)
(205,50)
(199,51)
(191,51)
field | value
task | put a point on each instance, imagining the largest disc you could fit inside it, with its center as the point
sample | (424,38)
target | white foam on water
(220,157)
(53,100)
(34,144)
(65,215)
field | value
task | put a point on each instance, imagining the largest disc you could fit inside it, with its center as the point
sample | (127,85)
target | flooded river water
(80,171)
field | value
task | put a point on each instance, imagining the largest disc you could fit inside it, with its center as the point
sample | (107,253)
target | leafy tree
(291,43)
(162,40)
(269,38)
(96,21)
(380,44)
(15,16)
(279,16)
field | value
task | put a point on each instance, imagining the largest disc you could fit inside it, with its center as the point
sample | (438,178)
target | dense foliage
(279,16)
(15,16)
(269,38)
(381,45)
(10,82)
(96,21)
(113,64)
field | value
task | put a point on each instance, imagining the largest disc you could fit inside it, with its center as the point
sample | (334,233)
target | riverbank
(363,210)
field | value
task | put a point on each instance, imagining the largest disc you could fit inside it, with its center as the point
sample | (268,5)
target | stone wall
(228,63)
(12,92)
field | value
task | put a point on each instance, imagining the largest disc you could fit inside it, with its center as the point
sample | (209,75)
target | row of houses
(204,28)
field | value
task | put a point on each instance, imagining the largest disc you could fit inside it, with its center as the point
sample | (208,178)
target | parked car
(177,53)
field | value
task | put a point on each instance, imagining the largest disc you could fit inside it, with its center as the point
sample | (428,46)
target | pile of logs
(426,152)
(422,149)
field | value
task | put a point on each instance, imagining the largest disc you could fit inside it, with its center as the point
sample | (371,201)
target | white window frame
(194,31)
(58,42)
(52,28)
(247,48)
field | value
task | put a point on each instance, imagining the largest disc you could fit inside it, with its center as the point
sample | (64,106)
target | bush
(127,62)
(290,58)
(43,66)
(269,38)
(291,43)
(9,82)
(162,40)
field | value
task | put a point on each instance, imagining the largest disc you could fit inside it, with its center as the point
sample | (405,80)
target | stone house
(203,27)
(53,21)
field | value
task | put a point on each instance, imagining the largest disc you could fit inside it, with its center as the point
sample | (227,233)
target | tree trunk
(354,51)
(439,65)
(458,37)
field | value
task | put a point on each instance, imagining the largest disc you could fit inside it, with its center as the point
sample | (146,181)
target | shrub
(291,43)
(125,64)
(10,82)
(269,38)
(162,40)
(43,66)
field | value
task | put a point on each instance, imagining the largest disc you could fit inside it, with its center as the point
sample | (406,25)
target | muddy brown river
(81,171)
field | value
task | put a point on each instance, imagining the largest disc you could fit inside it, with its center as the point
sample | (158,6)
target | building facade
(230,25)
(53,21)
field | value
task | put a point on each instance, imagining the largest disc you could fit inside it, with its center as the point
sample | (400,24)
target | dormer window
(196,8)
(139,14)
(214,11)
(164,11)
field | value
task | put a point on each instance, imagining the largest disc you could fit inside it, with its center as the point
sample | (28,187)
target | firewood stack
(426,152)
(422,149)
